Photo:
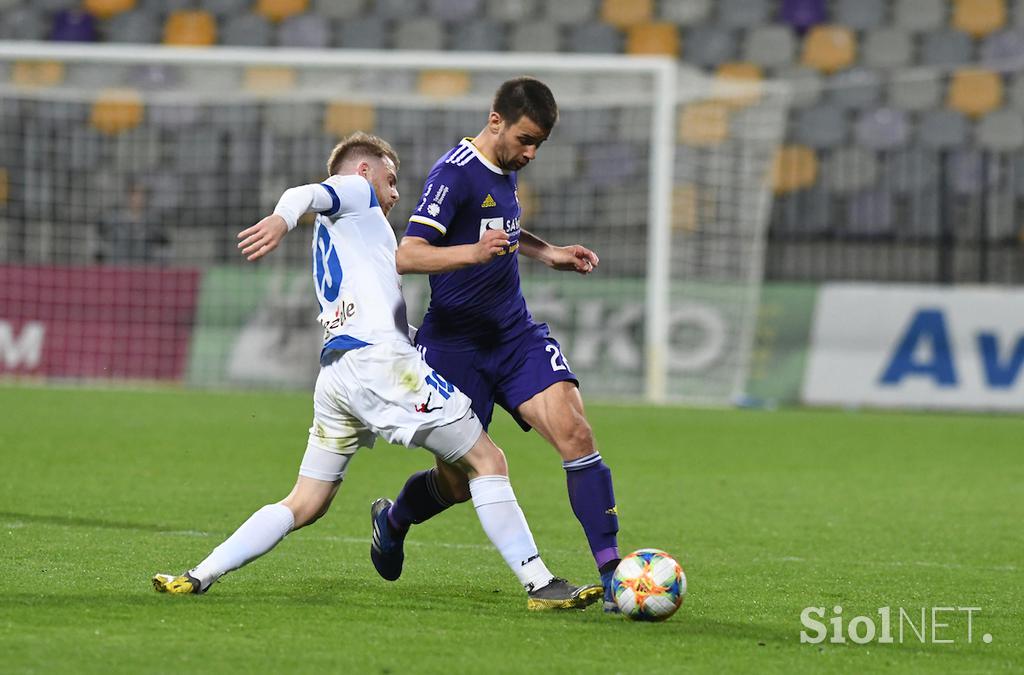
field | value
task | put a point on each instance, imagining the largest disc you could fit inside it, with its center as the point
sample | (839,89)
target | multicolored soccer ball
(649,585)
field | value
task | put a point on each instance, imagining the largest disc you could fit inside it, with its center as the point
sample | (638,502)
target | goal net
(125,176)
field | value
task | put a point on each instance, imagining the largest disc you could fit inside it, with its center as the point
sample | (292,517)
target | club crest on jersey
(488,202)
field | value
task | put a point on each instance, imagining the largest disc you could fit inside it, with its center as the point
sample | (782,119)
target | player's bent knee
(575,439)
(485,459)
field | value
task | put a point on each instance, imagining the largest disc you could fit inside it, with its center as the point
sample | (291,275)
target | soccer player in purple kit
(478,333)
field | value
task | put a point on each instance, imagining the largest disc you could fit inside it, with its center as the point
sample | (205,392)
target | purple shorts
(508,374)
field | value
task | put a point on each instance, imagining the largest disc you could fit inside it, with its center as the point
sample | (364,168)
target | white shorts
(385,390)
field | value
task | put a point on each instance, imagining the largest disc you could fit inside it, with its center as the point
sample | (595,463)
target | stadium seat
(73,26)
(829,48)
(684,207)
(85,149)
(606,165)
(247,30)
(512,11)
(534,36)
(855,88)
(294,118)
(560,163)
(882,128)
(803,14)
(709,45)
(308,31)
(138,26)
(979,17)
(912,169)
(1006,46)
(743,13)
(594,37)
(887,48)
(805,84)
(138,150)
(570,11)
(920,15)
(443,83)
(869,213)
(795,167)
(1001,131)
(737,83)
(338,10)
(197,150)
(97,75)
(1016,87)
(823,126)
(479,35)
(703,124)
(684,12)
(975,92)
(425,33)
(175,116)
(850,169)
(770,46)
(209,80)
(454,10)
(279,10)
(342,118)
(941,129)
(154,76)
(37,73)
(915,89)
(24,23)
(269,79)
(860,14)
(104,9)
(226,8)
(4,185)
(190,28)
(946,47)
(964,171)
(653,39)
(116,110)
(625,13)
(365,33)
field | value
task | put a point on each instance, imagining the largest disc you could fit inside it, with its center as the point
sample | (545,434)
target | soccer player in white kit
(372,380)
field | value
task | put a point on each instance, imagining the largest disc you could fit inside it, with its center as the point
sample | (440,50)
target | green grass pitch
(769,513)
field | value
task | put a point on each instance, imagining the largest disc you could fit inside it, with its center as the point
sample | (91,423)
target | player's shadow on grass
(79,521)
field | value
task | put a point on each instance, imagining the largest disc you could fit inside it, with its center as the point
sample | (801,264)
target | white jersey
(354,273)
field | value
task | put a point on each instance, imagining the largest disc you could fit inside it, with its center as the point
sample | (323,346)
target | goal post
(125,174)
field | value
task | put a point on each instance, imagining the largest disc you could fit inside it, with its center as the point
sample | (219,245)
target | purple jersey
(465,195)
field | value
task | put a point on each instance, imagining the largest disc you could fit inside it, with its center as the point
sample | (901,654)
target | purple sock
(418,501)
(593,501)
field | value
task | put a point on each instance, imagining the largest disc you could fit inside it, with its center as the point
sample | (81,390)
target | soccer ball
(649,585)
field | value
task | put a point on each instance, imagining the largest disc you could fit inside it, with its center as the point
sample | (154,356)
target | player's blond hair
(360,145)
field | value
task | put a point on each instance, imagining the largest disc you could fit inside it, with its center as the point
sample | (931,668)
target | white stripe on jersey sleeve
(423,220)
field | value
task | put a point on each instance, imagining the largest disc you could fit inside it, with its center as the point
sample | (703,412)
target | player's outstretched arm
(572,258)
(416,255)
(263,237)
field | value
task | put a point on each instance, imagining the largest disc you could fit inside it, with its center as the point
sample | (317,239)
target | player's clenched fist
(491,245)
(263,237)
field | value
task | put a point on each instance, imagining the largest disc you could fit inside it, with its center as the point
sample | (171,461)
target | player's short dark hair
(526,96)
(360,145)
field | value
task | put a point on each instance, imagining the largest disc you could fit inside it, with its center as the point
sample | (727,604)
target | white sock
(253,538)
(506,527)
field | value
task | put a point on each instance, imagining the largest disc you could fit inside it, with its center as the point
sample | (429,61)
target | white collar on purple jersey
(468,142)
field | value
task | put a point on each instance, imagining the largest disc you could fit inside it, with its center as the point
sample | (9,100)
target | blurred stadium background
(809,201)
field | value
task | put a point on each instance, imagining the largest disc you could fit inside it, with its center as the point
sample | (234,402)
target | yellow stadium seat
(269,79)
(116,110)
(684,207)
(190,28)
(829,48)
(104,9)
(795,167)
(276,10)
(626,13)
(341,119)
(529,202)
(737,83)
(3,186)
(443,83)
(704,123)
(975,92)
(979,17)
(659,38)
(37,73)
